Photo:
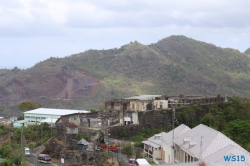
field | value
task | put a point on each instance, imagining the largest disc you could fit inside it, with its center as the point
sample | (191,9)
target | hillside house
(160,145)
(20,124)
(205,143)
(71,128)
(191,145)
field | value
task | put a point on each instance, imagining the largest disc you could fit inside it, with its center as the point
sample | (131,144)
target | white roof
(229,150)
(205,142)
(157,139)
(52,111)
(142,162)
(21,121)
(153,144)
(143,97)
(49,120)
(168,137)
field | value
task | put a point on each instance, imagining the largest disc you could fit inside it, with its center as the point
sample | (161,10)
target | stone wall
(148,119)
(153,119)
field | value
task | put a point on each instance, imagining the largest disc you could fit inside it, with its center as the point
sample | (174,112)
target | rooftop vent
(192,143)
(185,140)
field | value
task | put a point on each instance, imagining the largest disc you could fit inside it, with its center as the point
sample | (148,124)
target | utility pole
(201,147)
(209,118)
(173,119)
(173,106)
(87,157)
(51,126)
(22,148)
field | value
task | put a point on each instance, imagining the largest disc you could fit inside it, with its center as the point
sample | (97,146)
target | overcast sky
(34,30)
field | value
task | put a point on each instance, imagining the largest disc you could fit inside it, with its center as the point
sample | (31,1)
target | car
(132,162)
(44,158)
(27,151)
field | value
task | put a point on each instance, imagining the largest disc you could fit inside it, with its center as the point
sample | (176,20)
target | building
(13,119)
(129,107)
(205,143)
(20,123)
(50,121)
(167,142)
(192,145)
(41,114)
(5,121)
(83,145)
(71,128)
(153,145)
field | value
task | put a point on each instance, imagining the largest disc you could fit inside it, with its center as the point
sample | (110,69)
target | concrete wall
(31,117)
(168,153)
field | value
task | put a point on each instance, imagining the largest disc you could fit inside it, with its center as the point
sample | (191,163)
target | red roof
(72,125)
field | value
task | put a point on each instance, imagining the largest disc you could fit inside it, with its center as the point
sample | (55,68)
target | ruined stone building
(69,128)
(129,108)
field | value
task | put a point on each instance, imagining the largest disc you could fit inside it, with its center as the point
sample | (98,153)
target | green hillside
(247,51)
(171,66)
(174,65)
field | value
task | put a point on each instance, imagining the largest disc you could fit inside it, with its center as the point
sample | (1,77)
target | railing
(150,152)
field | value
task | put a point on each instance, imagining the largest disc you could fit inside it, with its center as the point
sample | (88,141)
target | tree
(208,120)
(239,131)
(127,149)
(28,105)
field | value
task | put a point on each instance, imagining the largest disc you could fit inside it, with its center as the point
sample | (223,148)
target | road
(32,159)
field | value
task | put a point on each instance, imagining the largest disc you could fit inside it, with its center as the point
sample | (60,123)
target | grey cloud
(197,15)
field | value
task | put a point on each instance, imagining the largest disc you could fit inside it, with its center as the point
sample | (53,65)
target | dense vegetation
(231,118)
(247,51)
(12,150)
(174,65)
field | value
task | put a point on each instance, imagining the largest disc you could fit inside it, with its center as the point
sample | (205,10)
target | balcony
(151,153)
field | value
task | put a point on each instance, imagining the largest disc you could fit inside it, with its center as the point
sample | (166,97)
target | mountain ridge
(172,66)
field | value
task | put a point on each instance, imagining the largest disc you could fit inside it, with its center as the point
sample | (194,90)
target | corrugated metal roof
(52,111)
(229,150)
(157,139)
(168,137)
(209,142)
(83,142)
(153,144)
(143,97)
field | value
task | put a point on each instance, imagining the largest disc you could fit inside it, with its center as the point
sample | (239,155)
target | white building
(205,143)
(41,114)
(199,143)
(167,142)
(153,146)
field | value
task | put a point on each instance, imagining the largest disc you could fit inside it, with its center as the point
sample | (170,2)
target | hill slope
(173,65)
(247,51)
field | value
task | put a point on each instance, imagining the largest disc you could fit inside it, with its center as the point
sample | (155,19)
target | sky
(35,30)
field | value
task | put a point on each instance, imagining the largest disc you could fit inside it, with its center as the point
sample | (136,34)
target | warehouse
(41,114)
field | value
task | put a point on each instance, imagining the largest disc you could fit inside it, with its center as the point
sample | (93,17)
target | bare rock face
(50,81)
